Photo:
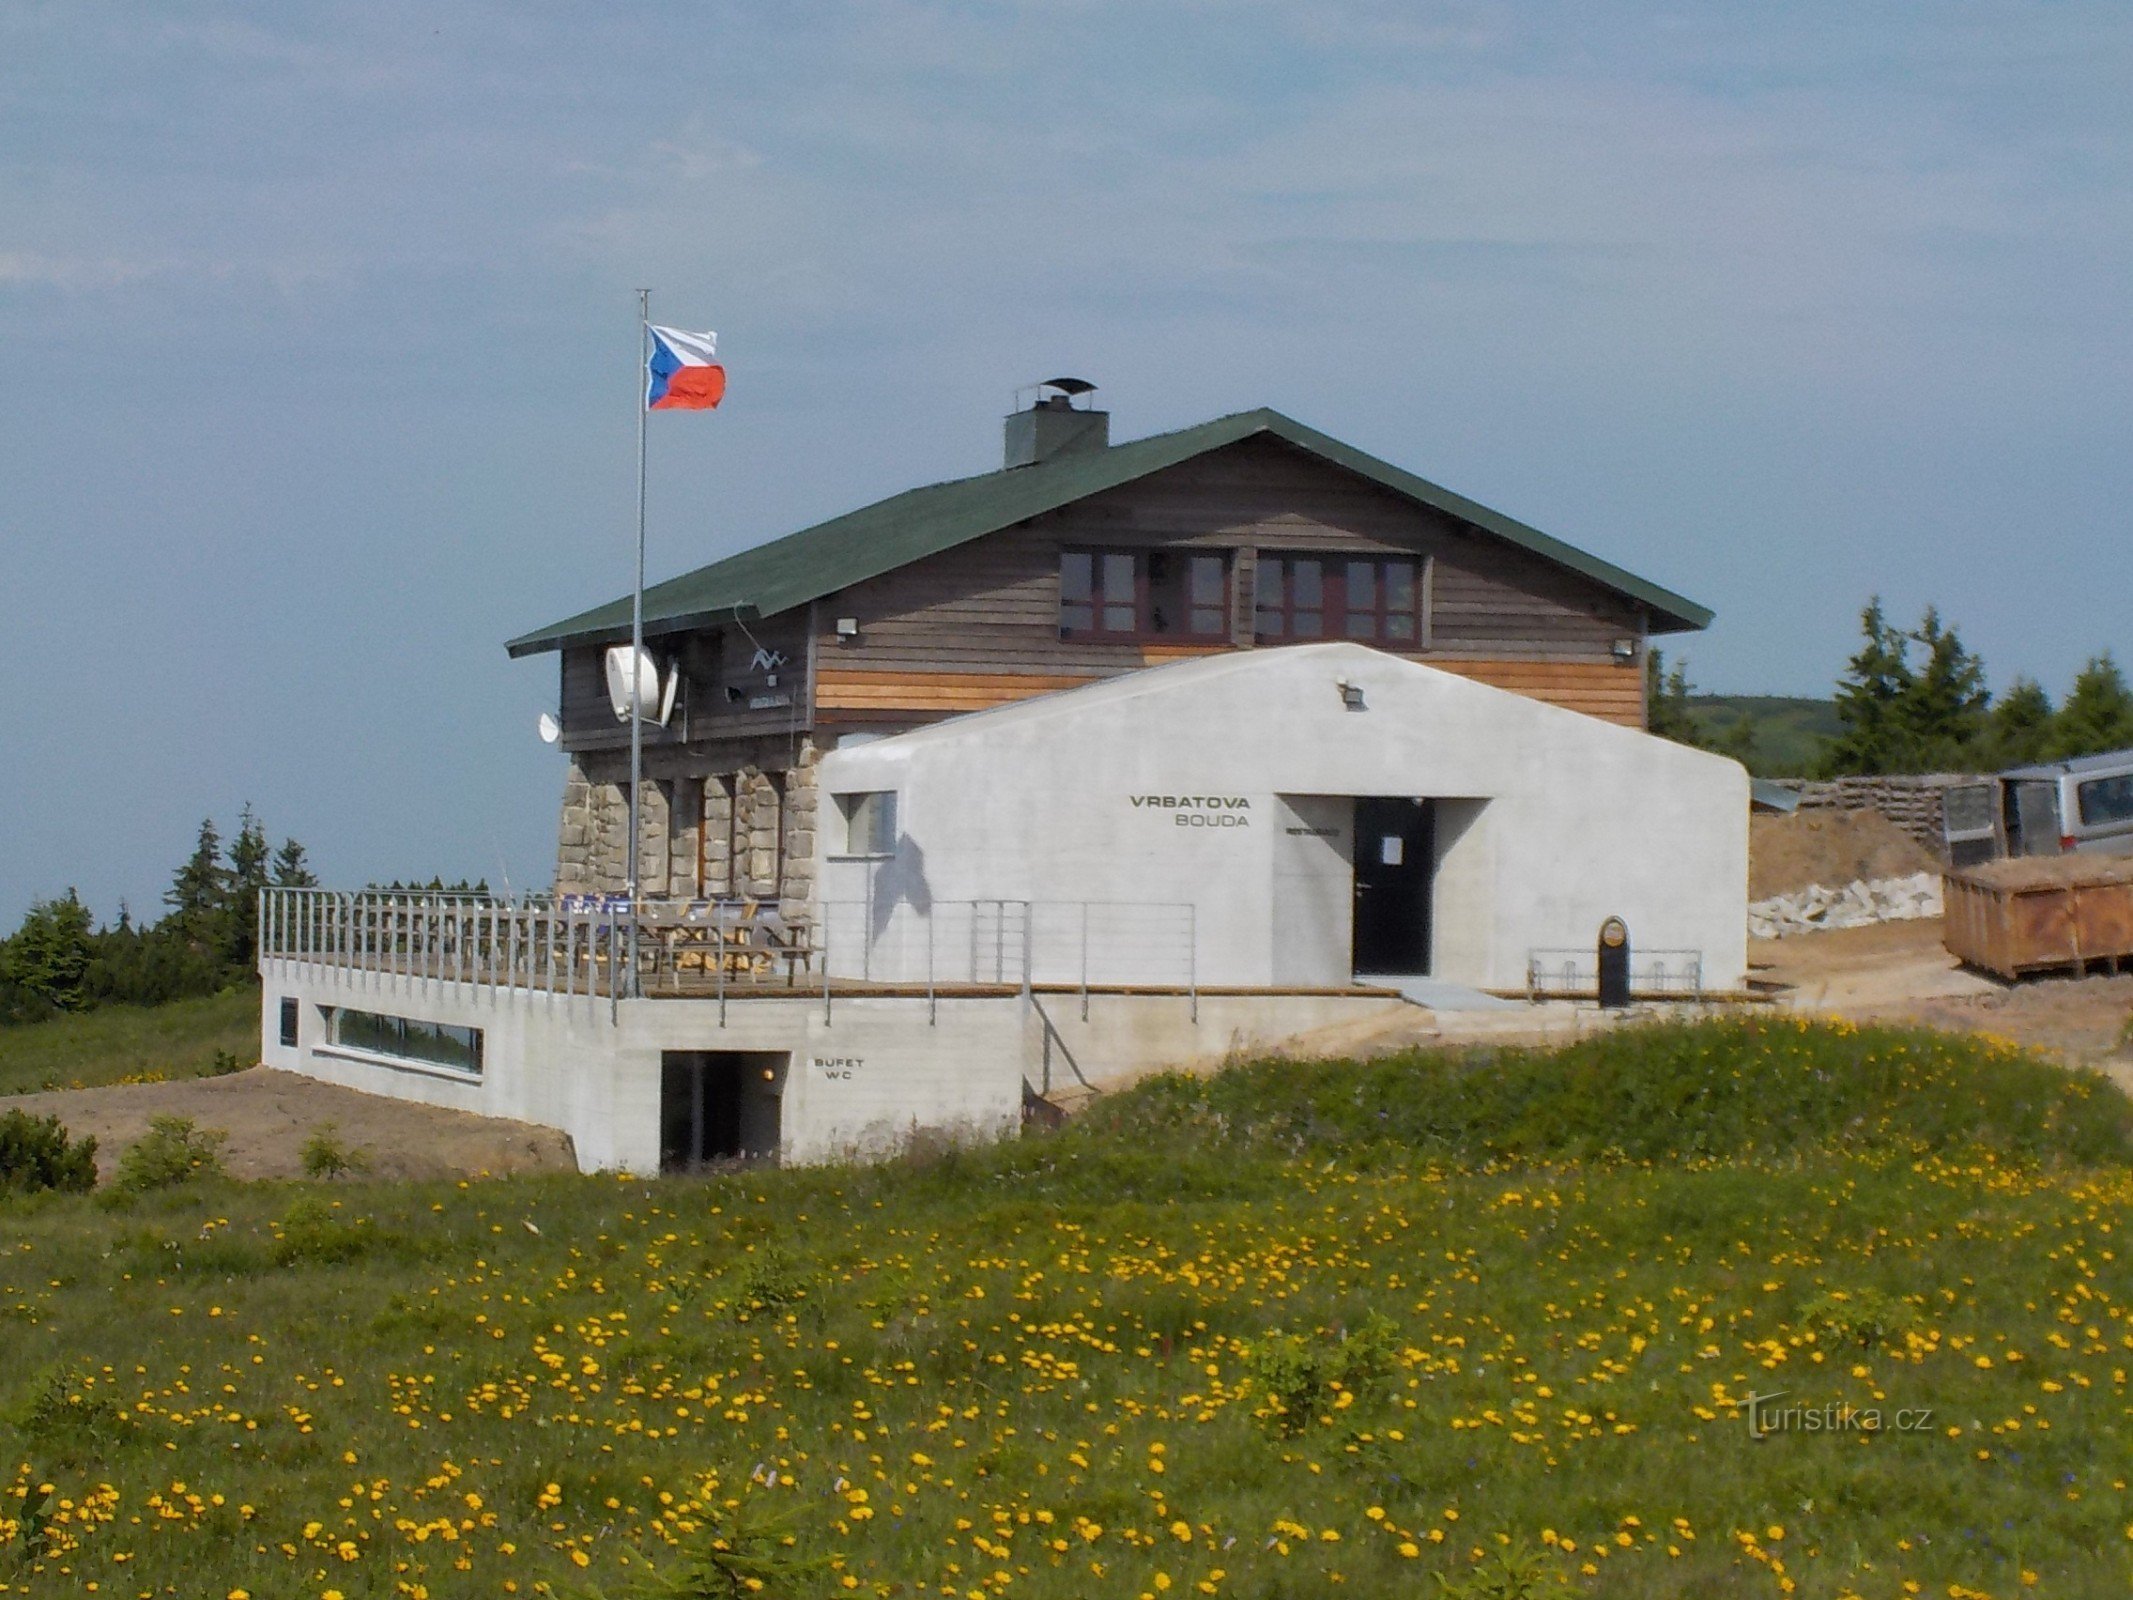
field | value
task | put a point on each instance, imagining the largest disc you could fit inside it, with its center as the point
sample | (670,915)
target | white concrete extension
(1156,870)
(1229,783)
(863,1074)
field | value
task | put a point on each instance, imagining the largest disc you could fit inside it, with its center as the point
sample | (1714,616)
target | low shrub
(768,1280)
(1864,1317)
(325,1155)
(735,1550)
(174,1150)
(36,1154)
(313,1234)
(1298,1375)
(63,1409)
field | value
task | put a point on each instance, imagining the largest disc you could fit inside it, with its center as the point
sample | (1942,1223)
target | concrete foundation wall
(861,1081)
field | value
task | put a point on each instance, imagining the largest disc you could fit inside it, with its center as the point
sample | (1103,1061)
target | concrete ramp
(1437,994)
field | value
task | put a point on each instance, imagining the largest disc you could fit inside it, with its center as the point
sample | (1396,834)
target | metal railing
(1575,974)
(579,945)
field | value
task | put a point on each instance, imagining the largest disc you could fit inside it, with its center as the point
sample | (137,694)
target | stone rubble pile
(1857,904)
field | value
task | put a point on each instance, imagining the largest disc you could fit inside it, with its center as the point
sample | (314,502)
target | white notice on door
(1392,850)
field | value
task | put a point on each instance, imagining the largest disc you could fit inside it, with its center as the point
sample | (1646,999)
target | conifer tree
(2018,729)
(2098,713)
(1944,708)
(1872,698)
(43,963)
(292,870)
(198,896)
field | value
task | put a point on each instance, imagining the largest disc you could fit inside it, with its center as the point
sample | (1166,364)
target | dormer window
(1370,600)
(1143,594)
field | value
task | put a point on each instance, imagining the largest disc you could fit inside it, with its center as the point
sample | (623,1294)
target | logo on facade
(1198,810)
(765,660)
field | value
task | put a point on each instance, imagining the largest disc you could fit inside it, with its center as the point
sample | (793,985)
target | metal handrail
(579,946)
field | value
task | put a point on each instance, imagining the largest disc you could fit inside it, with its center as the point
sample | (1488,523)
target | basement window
(290,1012)
(434,1044)
(869,822)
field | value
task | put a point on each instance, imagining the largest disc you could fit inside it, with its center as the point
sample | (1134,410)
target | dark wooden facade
(979,624)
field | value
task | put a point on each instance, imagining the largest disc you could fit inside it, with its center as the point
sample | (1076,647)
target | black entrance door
(1395,851)
(699,1109)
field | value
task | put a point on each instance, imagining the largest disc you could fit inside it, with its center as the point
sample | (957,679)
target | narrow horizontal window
(436,1044)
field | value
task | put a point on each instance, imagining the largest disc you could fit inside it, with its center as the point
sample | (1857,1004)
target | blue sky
(317,355)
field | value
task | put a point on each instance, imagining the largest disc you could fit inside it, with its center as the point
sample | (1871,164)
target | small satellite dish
(551,730)
(618,683)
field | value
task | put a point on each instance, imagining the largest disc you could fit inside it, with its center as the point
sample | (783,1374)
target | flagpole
(644,334)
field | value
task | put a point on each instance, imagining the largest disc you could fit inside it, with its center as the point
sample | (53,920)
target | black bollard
(1614,962)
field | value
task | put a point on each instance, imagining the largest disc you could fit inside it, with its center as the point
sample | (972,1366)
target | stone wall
(739,823)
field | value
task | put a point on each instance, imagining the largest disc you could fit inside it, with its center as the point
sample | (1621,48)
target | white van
(2062,806)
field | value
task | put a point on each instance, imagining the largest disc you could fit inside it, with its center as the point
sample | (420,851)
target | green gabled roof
(894,532)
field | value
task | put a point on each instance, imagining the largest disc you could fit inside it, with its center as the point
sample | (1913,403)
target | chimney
(1053,425)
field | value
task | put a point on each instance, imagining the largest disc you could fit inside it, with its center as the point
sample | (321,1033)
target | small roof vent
(1047,422)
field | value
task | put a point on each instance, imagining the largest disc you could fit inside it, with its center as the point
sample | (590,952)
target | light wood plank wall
(979,625)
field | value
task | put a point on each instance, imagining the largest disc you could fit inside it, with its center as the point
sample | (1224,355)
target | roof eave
(565,636)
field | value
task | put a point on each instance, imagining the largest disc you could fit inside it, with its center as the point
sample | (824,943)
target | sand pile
(1831,848)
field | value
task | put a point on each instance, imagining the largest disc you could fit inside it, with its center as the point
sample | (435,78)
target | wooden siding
(711,661)
(1603,689)
(989,611)
(851,695)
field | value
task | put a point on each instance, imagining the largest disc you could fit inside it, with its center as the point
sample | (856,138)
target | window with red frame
(1143,594)
(1371,600)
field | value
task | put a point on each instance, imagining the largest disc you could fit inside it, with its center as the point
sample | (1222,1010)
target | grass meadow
(132,1044)
(1295,1330)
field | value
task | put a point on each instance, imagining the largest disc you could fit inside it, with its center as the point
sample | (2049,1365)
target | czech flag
(682,376)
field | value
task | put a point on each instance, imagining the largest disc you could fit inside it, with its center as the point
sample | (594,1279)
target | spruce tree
(199,895)
(1666,700)
(46,959)
(1668,714)
(2097,715)
(291,868)
(2018,729)
(1872,699)
(1944,706)
(247,876)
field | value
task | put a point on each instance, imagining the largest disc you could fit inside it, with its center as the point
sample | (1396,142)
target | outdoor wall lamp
(1351,694)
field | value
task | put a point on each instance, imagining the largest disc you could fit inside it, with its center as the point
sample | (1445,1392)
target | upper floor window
(1374,600)
(1138,594)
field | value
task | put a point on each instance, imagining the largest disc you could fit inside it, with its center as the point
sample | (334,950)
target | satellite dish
(666,700)
(618,683)
(551,730)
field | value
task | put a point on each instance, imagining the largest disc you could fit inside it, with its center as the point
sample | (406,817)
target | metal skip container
(2041,914)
